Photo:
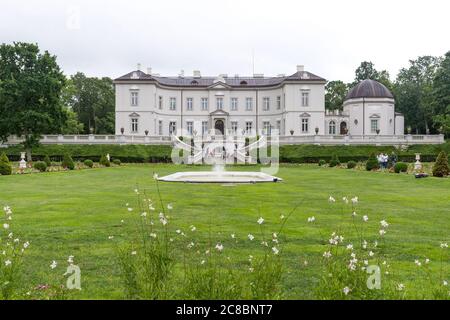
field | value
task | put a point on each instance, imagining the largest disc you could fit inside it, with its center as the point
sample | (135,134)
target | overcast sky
(331,38)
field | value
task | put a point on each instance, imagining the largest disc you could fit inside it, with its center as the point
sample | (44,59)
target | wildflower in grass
(122,221)
(331,199)
(193,228)
(111,237)
(427,261)
(233,236)
(371,254)
(8,263)
(250,237)
(70,259)
(202,262)
(54,264)
(169,206)
(144,214)
(251,269)
(26,245)
(365,218)
(384,224)
(345,199)
(282,217)
(275,250)
(400,287)
(355,200)
(260,220)
(264,243)
(353,214)
(163,221)
(153,235)
(444,245)
(136,191)
(274,235)
(327,254)
(190,245)
(219,247)
(130,209)
(311,219)
(10,235)
(445,283)
(155,176)
(346,290)
(349,246)
(6,226)
(364,244)
(178,231)
(417,262)
(382,232)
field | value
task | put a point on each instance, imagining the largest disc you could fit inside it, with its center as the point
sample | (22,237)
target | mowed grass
(74,213)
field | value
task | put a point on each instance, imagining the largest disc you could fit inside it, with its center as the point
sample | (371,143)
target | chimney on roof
(300,68)
(181,75)
(149,70)
(139,67)
(258,75)
(197,74)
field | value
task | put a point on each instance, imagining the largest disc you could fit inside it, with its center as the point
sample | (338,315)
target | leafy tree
(335,95)
(92,99)
(441,95)
(30,89)
(67,162)
(5,166)
(366,70)
(414,92)
(441,167)
(104,161)
(72,125)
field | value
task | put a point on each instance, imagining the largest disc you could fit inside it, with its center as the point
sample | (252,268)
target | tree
(441,95)
(441,167)
(30,89)
(92,99)
(366,70)
(72,125)
(335,92)
(414,92)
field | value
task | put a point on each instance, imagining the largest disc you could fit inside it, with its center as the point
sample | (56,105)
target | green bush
(372,163)
(441,167)
(104,161)
(47,161)
(334,161)
(117,162)
(40,165)
(67,162)
(5,166)
(400,167)
(322,162)
(88,163)
(351,164)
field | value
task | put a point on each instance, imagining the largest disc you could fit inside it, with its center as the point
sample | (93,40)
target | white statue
(418,165)
(107,157)
(22,163)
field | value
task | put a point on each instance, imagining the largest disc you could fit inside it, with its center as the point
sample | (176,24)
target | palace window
(332,127)
(266,128)
(278,127)
(248,127)
(305,99)
(204,127)
(266,103)
(278,102)
(373,125)
(305,125)
(234,127)
(190,127)
(234,104)
(134,94)
(219,103)
(134,125)
(204,104)
(160,102)
(248,104)
(189,103)
(160,127)
(172,127)
(173,103)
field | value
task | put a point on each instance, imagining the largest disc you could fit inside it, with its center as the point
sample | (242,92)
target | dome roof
(369,89)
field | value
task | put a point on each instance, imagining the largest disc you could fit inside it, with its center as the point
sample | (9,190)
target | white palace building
(148,104)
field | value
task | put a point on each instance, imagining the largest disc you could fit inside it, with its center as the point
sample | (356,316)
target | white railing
(312,139)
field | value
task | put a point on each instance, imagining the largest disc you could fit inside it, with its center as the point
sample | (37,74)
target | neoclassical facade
(154,105)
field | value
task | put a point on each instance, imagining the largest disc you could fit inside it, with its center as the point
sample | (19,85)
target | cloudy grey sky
(109,37)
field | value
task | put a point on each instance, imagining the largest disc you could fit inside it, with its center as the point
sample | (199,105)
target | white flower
(169,206)
(444,245)
(16,240)
(250,237)
(143,214)
(111,237)
(350,246)
(130,209)
(400,287)
(445,283)
(219,247)
(364,245)
(355,200)
(311,219)
(327,254)
(10,235)
(153,235)
(274,235)
(282,217)
(275,250)
(331,199)
(202,262)
(122,221)
(345,200)
(193,228)
(155,176)
(382,232)
(365,218)
(178,231)
(6,226)
(384,224)
(353,214)
(26,245)
(54,264)
(136,190)
(346,290)
(70,259)
(371,253)
(163,221)
(427,260)
(260,220)
(133,253)
(8,263)
(417,262)
(190,245)
(233,236)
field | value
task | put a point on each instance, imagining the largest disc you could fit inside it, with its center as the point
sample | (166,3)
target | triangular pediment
(219,85)
(219,113)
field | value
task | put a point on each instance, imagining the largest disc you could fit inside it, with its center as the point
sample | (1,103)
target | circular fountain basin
(220,177)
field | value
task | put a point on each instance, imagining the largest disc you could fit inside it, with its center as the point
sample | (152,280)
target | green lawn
(74,213)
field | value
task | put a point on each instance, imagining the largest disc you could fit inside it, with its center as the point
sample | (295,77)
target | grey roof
(369,89)
(237,82)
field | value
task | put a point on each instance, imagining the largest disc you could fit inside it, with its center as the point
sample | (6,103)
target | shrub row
(288,153)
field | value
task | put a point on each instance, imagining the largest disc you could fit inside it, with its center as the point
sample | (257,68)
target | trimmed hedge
(288,153)
(5,166)
(89,163)
(351,164)
(104,161)
(40,165)
(400,167)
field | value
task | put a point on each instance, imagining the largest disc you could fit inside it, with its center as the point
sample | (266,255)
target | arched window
(194,82)
(332,127)
(243,82)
